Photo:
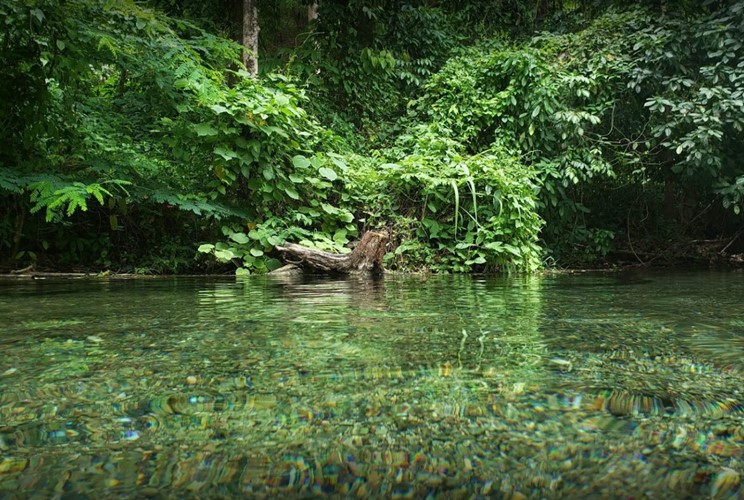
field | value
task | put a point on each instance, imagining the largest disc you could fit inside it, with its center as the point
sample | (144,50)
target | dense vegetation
(484,135)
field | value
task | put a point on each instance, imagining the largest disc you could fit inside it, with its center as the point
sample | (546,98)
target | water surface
(594,385)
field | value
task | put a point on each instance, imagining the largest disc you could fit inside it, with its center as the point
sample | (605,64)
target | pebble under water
(559,386)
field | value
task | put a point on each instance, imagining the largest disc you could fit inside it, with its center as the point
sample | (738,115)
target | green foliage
(82,77)
(536,103)
(692,78)
(139,113)
(483,18)
(454,211)
(128,135)
(603,108)
(363,59)
(258,142)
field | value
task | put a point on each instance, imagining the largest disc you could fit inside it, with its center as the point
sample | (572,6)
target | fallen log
(365,258)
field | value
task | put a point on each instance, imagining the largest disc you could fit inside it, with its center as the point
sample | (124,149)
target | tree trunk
(670,200)
(365,258)
(365,29)
(312,12)
(250,36)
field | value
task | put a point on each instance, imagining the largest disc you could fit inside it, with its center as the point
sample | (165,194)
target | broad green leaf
(219,109)
(245,159)
(329,209)
(206,248)
(292,193)
(340,164)
(512,250)
(224,255)
(340,236)
(328,173)
(256,234)
(275,130)
(256,252)
(255,146)
(204,129)
(240,238)
(346,217)
(38,14)
(300,161)
(226,153)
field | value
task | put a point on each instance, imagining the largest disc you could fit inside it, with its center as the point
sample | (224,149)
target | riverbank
(615,261)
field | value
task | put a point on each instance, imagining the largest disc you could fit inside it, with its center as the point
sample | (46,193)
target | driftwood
(365,258)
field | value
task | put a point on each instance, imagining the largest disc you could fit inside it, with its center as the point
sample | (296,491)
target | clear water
(594,385)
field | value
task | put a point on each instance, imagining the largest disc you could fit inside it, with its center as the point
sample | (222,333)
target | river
(599,385)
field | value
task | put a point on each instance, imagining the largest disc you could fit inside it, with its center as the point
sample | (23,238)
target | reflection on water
(407,387)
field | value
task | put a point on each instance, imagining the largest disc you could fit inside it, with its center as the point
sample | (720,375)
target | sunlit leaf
(240,238)
(328,173)
(219,109)
(224,255)
(300,161)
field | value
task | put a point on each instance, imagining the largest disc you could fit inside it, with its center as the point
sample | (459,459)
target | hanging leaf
(292,193)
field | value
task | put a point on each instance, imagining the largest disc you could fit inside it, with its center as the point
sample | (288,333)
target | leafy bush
(123,108)
(604,108)
(128,135)
(364,59)
(454,211)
